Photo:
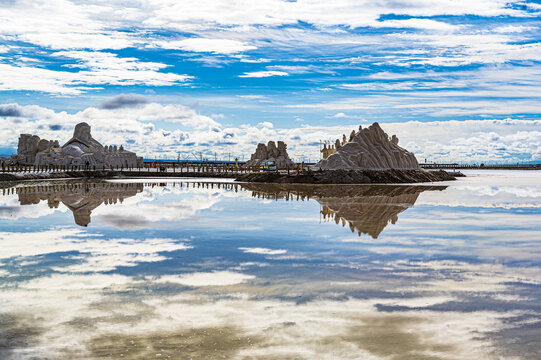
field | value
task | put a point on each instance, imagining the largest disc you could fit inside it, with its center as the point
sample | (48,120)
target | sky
(455,80)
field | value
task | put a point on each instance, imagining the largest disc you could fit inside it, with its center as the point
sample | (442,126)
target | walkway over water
(482,166)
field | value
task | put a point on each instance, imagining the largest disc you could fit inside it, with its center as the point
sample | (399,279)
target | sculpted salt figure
(81,149)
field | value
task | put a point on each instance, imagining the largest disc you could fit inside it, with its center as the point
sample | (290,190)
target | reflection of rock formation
(271,152)
(364,208)
(369,148)
(79,197)
(81,150)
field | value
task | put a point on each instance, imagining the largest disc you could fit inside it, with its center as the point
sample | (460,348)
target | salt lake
(199,269)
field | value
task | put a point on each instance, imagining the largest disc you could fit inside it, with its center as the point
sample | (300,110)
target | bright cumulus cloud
(456,80)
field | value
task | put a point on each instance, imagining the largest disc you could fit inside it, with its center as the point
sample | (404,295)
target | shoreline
(306,177)
(392,176)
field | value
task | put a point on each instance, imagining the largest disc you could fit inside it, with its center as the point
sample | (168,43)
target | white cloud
(513,29)
(95,253)
(252,97)
(296,69)
(80,40)
(266,124)
(174,113)
(455,49)
(220,28)
(262,74)
(349,13)
(97,68)
(217,46)
(509,140)
(132,126)
(13,211)
(262,251)
(142,210)
(76,282)
(214,278)
(419,23)
(378,86)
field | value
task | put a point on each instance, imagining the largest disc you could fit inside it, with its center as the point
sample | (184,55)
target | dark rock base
(350,177)
(320,177)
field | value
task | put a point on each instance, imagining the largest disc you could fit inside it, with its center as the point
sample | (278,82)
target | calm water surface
(188,269)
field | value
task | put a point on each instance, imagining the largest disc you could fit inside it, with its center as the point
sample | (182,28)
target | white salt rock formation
(29,146)
(271,152)
(370,148)
(81,150)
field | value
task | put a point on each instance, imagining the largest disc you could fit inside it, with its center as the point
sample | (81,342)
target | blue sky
(455,80)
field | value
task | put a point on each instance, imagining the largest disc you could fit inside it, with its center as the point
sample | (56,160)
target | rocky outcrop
(270,152)
(369,148)
(81,150)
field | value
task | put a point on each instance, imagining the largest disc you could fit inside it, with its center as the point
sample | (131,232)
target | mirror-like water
(203,270)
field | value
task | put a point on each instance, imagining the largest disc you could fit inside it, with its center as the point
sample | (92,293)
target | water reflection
(206,271)
(80,197)
(365,209)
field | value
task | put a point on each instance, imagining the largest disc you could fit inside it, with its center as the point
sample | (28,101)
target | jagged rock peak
(369,148)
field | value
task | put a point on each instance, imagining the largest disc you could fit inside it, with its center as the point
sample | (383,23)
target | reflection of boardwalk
(80,197)
(366,209)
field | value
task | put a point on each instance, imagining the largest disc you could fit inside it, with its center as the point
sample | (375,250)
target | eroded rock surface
(271,152)
(369,148)
(81,150)
(29,146)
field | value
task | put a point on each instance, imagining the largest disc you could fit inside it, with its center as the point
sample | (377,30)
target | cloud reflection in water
(179,273)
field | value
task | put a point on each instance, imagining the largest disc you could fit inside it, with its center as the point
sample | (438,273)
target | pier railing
(222,169)
(180,168)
